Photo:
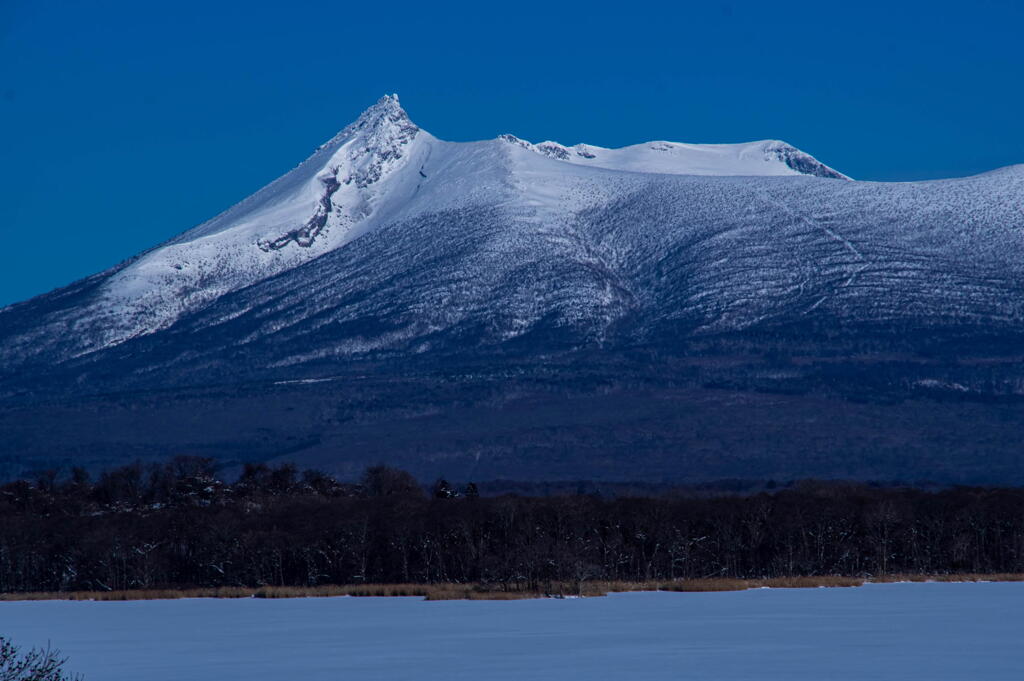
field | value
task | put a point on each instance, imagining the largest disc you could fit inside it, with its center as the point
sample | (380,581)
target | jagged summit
(386,117)
(387,106)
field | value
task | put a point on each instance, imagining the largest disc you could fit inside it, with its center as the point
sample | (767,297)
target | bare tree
(38,664)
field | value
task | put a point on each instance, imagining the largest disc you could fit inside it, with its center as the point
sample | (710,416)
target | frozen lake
(888,631)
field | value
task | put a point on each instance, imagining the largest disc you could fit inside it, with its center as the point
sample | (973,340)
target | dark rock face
(307,233)
(801,162)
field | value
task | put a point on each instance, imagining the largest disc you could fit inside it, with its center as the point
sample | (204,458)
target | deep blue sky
(124,123)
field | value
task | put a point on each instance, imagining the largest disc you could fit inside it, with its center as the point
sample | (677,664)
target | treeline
(178,526)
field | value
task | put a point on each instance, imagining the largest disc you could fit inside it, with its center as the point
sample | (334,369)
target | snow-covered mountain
(541,267)
(380,170)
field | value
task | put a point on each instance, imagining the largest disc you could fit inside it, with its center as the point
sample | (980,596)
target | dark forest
(176,525)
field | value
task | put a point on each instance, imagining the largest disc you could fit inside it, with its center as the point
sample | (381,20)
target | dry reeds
(448,592)
(952,577)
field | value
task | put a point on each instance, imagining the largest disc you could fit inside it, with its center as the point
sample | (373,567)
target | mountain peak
(387,106)
(380,137)
(387,113)
(362,154)
(385,119)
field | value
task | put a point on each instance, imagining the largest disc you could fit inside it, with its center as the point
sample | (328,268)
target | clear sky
(125,123)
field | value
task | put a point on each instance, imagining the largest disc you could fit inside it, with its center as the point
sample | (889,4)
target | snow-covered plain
(892,631)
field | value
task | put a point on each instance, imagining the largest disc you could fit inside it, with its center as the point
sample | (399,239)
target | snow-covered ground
(892,631)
